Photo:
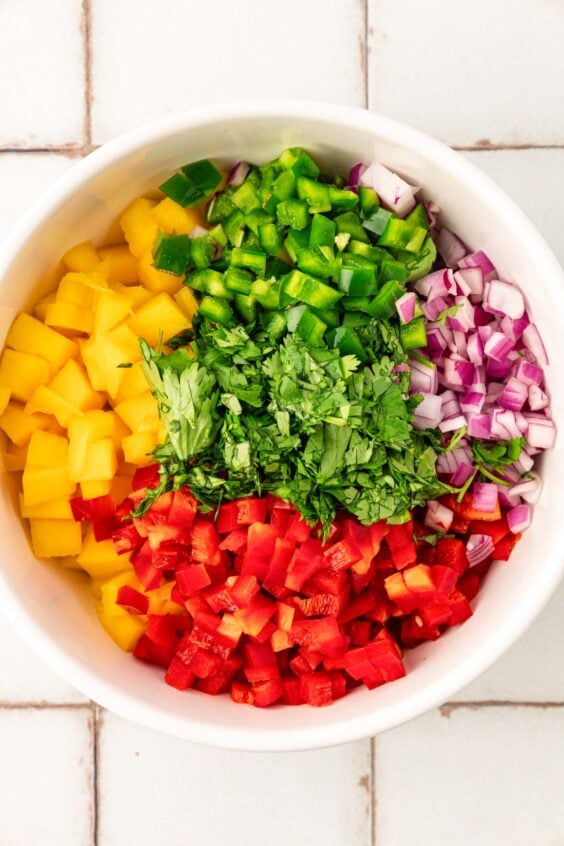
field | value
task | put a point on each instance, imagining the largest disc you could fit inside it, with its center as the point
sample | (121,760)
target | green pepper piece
(171,253)
(217,310)
(220,206)
(267,293)
(347,342)
(269,238)
(323,231)
(218,235)
(377,221)
(311,328)
(257,218)
(247,257)
(294,315)
(374,254)
(274,324)
(298,286)
(342,199)
(193,183)
(354,319)
(383,304)
(246,198)
(418,217)
(293,213)
(247,307)
(277,267)
(369,200)
(295,242)
(234,225)
(350,222)
(284,186)
(357,281)
(238,280)
(209,281)
(401,235)
(356,303)
(421,263)
(341,240)
(299,162)
(330,316)
(202,251)
(413,335)
(319,261)
(314,193)
(392,269)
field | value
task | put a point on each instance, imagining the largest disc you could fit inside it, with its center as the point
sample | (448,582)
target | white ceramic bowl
(54,611)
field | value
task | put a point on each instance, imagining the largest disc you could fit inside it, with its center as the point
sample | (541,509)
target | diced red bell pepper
(92,510)
(132,600)
(323,635)
(319,605)
(317,689)
(460,608)
(267,693)
(307,559)
(280,640)
(221,681)
(469,584)
(161,631)
(205,664)
(183,509)
(126,539)
(179,675)
(250,510)
(227,518)
(291,691)
(326,581)
(435,614)
(384,607)
(142,561)
(261,539)
(150,652)
(466,510)
(104,529)
(342,554)
(205,543)
(284,616)
(235,541)
(338,685)
(164,533)
(255,615)
(146,477)
(171,556)
(400,595)
(280,519)
(229,630)
(241,693)
(451,552)
(363,604)
(401,545)
(190,580)
(243,591)
(218,597)
(444,578)
(504,547)
(360,631)
(298,530)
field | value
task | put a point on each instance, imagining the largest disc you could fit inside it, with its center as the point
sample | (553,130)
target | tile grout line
(87,48)
(497,703)
(45,706)
(373,833)
(96,720)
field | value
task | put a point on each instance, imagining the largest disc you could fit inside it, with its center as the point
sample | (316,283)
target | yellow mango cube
(187,301)
(47,450)
(156,281)
(46,401)
(82,257)
(136,294)
(91,490)
(43,484)
(101,461)
(118,265)
(109,589)
(29,335)
(5,394)
(15,458)
(133,383)
(100,559)
(137,448)
(134,410)
(40,307)
(19,426)
(173,218)
(139,226)
(125,629)
(111,308)
(104,355)
(54,509)
(159,318)
(121,488)
(78,288)
(91,426)
(70,317)
(51,538)
(21,373)
(160,601)
(72,384)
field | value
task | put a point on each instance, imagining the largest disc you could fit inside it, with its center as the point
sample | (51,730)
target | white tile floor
(467,71)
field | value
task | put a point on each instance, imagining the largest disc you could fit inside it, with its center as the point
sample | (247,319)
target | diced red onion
(460,343)
(479,426)
(450,404)
(432,211)
(504,426)
(450,247)
(428,413)
(475,348)
(452,424)
(514,394)
(473,280)
(507,499)
(484,497)
(433,308)
(238,174)
(355,174)
(472,401)
(524,463)
(493,393)
(394,192)
(514,328)
(406,307)
(499,369)
(503,298)
(459,373)
(541,434)
(537,398)
(438,282)
(479,260)
(529,489)
(519,518)
(533,342)
(438,517)
(498,346)
(478,548)
(461,474)
(528,373)
(423,379)
(436,343)
(522,422)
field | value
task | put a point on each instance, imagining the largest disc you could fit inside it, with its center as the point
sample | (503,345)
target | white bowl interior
(53,608)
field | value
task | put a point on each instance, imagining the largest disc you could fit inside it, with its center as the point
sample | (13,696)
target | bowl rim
(345,729)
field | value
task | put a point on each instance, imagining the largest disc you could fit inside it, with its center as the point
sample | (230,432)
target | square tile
(24,176)
(475,777)
(46,777)
(42,100)
(470,73)
(211,796)
(24,677)
(535,180)
(160,56)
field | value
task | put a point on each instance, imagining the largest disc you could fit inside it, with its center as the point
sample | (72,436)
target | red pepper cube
(205,664)
(241,693)
(179,675)
(227,518)
(360,631)
(235,541)
(460,608)
(342,554)
(326,581)
(254,617)
(161,533)
(291,691)
(205,543)
(218,597)
(280,640)
(229,630)
(183,509)
(280,518)
(284,616)
(221,681)
(451,552)
(161,631)
(93,510)
(250,510)
(435,614)
(298,530)
(261,539)
(362,538)
(444,579)
(400,543)
(317,689)
(322,635)
(104,529)
(359,607)
(504,547)
(267,693)
(383,609)
(192,579)
(126,539)
(299,665)
(132,600)
(319,605)
(150,652)
(243,591)
(306,560)
(265,633)
(399,593)
(338,685)
(195,605)
(142,561)
(146,477)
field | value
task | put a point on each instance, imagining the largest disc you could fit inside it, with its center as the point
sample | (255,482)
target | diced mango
(55,509)
(69,562)
(27,334)
(139,226)
(110,589)
(121,431)
(19,426)
(173,218)
(43,484)
(50,538)
(5,394)
(77,288)
(133,383)
(101,461)
(72,384)
(125,629)
(100,559)
(90,490)
(47,450)
(103,355)
(15,458)
(121,487)
(82,257)
(136,294)
(70,317)
(137,448)
(187,302)
(118,265)
(155,280)
(133,411)
(159,318)
(160,601)
(91,426)
(111,308)
(127,341)
(46,401)
(40,307)
(21,373)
